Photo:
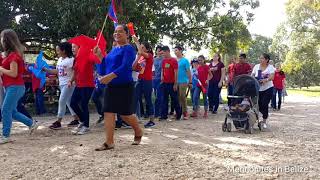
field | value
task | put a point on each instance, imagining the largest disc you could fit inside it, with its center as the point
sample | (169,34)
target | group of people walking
(125,81)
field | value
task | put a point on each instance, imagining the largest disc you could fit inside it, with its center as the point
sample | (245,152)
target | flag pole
(103,26)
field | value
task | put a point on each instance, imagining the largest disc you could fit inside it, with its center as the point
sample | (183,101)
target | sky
(268,16)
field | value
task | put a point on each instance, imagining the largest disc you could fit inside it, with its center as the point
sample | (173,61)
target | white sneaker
(77,129)
(34,126)
(264,126)
(83,130)
(4,140)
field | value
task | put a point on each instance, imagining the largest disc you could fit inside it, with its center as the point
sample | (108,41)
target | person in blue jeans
(143,64)
(39,100)
(12,68)
(157,82)
(215,84)
(169,79)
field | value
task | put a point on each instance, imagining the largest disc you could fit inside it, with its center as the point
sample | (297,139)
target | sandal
(104,147)
(137,140)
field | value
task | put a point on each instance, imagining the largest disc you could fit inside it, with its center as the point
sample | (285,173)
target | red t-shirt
(242,68)
(231,72)
(203,72)
(35,83)
(216,73)
(169,66)
(278,80)
(10,81)
(84,69)
(147,74)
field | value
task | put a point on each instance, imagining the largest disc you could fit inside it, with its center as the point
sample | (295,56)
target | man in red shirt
(278,84)
(169,77)
(242,67)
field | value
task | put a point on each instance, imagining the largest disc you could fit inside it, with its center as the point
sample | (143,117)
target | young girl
(64,71)
(203,77)
(12,69)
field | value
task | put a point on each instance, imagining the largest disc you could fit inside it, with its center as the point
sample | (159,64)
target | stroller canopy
(245,85)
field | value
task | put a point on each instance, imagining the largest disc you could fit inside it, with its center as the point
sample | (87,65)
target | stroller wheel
(249,128)
(224,127)
(229,127)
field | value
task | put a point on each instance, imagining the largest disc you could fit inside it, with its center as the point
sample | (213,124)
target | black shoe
(73,123)
(55,126)
(214,112)
(100,120)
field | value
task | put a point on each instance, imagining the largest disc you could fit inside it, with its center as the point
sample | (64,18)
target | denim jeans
(159,97)
(274,98)
(64,100)
(40,107)
(168,90)
(97,96)
(79,103)
(21,108)
(214,95)
(144,89)
(196,98)
(9,109)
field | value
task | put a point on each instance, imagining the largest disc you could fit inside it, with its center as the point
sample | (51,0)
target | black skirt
(119,99)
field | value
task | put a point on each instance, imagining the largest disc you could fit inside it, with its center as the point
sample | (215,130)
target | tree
(45,22)
(259,45)
(302,59)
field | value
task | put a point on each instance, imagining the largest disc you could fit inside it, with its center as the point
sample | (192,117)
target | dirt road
(192,149)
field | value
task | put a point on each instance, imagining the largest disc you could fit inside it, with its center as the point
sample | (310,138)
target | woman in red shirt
(203,77)
(84,79)
(12,70)
(278,84)
(144,64)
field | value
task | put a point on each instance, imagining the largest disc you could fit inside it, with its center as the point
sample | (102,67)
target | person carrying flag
(83,77)
(120,89)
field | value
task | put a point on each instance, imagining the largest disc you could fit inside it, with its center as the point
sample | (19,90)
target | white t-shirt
(265,74)
(65,70)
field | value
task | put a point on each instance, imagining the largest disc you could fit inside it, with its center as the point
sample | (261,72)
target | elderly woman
(119,93)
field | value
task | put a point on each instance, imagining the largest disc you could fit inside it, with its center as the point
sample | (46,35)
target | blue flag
(37,70)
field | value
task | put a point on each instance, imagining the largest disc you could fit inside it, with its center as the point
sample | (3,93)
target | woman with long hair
(64,71)
(215,84)
(119,92)
(264,72)
(12,69)
(203,77)
(143,64)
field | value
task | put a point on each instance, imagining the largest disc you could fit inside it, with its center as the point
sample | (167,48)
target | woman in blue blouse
(119,92)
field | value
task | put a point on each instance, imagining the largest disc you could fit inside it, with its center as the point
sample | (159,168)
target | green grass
(309,92)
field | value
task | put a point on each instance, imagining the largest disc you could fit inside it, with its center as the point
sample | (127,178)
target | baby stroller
(246,89)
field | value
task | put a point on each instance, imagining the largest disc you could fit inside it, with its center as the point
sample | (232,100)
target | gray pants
(64,100)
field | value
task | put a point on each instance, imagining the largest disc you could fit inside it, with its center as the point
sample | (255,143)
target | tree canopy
(297,43)
(212,24)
